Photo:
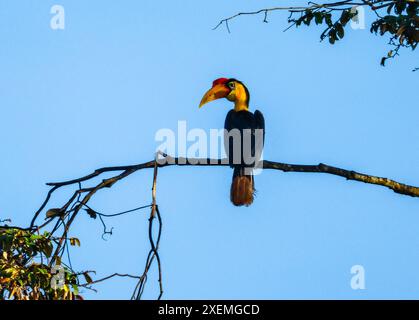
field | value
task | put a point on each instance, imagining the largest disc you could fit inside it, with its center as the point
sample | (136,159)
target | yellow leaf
(66,288)
(4,280)
(13,292)
(75,242)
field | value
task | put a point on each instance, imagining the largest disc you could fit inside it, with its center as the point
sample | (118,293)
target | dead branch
(80,198)
(109,277)
(332,6)
(397,187)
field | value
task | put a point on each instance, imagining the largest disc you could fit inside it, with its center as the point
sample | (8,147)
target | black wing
(259,120)
(242,120)
(259,124)
(228,125)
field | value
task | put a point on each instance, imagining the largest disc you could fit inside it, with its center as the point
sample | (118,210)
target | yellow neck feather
(241,101)
(240,106)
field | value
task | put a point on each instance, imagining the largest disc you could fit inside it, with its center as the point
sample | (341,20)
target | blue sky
(95,94)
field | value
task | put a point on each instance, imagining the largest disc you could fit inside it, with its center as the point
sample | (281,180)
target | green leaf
(308,17)
(54,212)
(328,19)
(87,277)
(340,30)
(92,213)
(75,289)
(47,249)
(389,8)
(318,17)
(345,17)
(400,6)
(332,37)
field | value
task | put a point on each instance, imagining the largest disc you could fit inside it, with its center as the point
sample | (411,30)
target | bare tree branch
(153,253)
(397,187)
(109,277)
(312,6)
(80,198)
(396,18)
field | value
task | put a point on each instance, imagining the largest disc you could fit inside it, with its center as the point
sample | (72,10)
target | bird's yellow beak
(216,92)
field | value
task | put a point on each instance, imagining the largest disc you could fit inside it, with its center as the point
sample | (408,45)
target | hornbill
(245,152)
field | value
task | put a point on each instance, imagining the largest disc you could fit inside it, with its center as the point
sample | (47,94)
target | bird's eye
(231,85)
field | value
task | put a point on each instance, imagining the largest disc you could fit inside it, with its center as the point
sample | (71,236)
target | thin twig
(109,277)
(81,197)
(311,6)
(153,253)
(266,164)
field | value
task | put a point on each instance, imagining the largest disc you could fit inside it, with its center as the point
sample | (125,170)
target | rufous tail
(242,187)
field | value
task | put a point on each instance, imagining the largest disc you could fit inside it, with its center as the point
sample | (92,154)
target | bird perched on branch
(244,137)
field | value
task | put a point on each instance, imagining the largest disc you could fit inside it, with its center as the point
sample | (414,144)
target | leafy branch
(29,279)
(398,18)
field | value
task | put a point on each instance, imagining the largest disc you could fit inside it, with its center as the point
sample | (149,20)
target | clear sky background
(95,94)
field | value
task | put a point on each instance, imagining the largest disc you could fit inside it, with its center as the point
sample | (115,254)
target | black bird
(243,139)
